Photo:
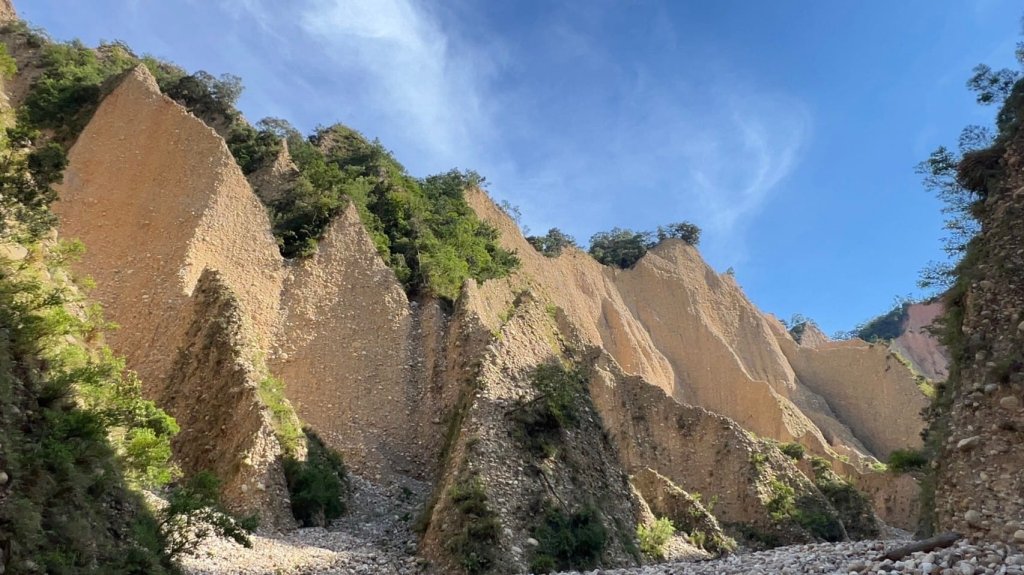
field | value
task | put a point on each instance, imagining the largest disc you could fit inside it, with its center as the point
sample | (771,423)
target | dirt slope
(157,200)
(346,352)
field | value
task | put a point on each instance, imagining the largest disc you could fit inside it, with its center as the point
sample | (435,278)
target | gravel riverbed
(375,537)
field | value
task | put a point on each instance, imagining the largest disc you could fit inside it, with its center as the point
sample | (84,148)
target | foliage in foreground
(476,526)
(653,537)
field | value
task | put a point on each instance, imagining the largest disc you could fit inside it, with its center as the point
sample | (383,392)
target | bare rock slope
(680,365)
(681,326)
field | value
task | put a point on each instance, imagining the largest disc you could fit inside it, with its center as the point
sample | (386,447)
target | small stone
(969,443)
(972,517)
(1019,536)
(3,478)
(531,542)
(991,388)
(1009,402)
(1020,327)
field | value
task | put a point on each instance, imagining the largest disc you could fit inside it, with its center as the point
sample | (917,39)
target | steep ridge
(193,277)
(492,455)
(869,389)
(232,435)
(157,200)
(7,12)
(691,332)
(917,344)
(701,452)
(350,357)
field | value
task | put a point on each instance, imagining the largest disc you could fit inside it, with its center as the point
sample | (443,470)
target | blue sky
(787,130)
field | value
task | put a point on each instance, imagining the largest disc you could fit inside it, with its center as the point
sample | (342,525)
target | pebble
(1009,402)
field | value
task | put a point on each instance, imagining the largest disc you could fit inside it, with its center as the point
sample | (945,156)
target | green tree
(552,243)
(686,231)
(620,248)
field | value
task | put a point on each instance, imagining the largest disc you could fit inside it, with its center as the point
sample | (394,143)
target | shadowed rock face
(213,393)
(979,483)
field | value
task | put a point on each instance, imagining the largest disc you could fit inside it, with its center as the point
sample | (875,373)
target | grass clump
(568,540)
(653,538)
(286,424)
(476,526)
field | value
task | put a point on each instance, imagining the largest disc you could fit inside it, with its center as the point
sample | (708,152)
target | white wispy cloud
(578,137)
(414,73)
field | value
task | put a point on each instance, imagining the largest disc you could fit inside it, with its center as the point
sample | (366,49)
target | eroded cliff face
(157,200)
(979,483)
(351,357)
(213,394)
(181,250)
(691,332)
(867,387)
(917,343)
(7,12)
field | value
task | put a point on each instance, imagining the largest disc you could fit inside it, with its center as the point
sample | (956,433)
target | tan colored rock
(868,389)
(7,11)
(919,346)
(275,180)
(700,451)
(345,352)
(157,200)
(213,394)
(14,252)
(693,333)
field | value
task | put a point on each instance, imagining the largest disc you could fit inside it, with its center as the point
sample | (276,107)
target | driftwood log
(937,542)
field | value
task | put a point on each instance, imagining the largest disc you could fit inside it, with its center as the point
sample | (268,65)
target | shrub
(8,67)
(553,243)
(654,537)
(64,97)
(622,248)
(210,98)
(569,540)
(793,450)
(194,512)
(542,419)
(318,485)
(903,460)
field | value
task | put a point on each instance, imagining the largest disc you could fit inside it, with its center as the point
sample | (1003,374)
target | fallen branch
(937,542)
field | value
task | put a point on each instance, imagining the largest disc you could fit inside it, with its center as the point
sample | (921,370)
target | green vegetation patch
(568,540)
(653,538)
(622,248)
(541,421)
(318,485)
(904,460)
(476,526)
